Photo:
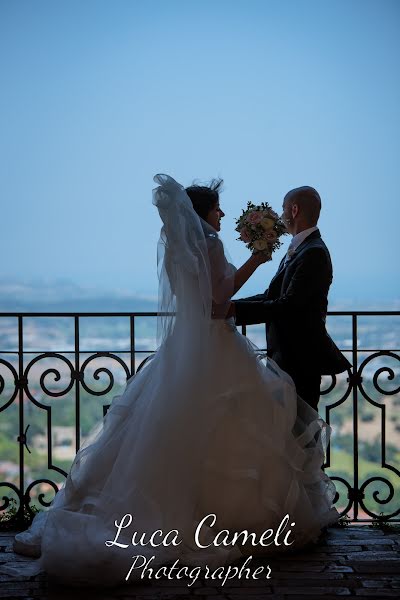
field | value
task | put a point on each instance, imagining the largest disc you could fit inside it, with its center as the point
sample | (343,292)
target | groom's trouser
(308,386)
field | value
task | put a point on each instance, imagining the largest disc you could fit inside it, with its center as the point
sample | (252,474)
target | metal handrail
(355,391)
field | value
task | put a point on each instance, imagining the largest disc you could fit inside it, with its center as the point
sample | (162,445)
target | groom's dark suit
(294,309)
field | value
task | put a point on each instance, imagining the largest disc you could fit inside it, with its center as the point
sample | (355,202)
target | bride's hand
(260,257)
(247,270)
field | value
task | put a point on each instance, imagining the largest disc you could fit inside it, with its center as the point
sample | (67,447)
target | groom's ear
(295,210)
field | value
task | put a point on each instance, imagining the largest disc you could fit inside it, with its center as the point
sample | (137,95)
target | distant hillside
(68,297)
(65,296)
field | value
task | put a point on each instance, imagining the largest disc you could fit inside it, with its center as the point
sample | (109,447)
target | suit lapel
(296,254)
(279,271)
(281,267)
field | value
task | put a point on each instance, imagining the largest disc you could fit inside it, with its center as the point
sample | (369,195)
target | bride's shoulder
(214,244)
(212,239)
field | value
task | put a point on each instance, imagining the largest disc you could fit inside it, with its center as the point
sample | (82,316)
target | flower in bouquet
(260,228)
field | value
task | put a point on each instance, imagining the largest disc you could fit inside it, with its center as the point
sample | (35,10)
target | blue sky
(97,97)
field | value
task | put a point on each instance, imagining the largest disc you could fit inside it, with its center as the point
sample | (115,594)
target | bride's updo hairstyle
(205,197)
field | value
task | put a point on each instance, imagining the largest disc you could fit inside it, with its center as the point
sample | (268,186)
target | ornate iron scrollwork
(67,375)
(97,372)
(22,439)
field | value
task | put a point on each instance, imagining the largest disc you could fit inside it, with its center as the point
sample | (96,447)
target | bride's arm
(247,269)
(225,279)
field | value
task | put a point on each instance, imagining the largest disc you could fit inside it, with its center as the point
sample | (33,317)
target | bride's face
(214,217)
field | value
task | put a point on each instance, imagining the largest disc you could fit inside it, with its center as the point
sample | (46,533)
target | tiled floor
(358,561)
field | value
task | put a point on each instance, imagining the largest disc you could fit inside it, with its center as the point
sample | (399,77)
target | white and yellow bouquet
(260,228)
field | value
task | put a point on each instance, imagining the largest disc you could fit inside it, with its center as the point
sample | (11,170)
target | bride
(209,438)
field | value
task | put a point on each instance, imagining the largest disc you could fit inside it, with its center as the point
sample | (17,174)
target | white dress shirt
(297,240)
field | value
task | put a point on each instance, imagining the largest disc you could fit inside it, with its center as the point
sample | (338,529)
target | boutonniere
(290,253)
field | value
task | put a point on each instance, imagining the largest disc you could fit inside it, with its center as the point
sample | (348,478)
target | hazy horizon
(44,294)
(97,97)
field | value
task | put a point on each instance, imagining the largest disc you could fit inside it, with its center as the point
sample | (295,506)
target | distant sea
(64,296)
(68,297)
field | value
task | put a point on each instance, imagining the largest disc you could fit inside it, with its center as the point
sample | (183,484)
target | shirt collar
(300,237)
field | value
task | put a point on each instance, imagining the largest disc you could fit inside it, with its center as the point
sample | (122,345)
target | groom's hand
(217,314)
(231,311)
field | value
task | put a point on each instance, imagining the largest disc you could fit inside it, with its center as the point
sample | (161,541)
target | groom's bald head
(308,204)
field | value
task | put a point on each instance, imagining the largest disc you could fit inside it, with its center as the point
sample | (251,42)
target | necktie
(290,251)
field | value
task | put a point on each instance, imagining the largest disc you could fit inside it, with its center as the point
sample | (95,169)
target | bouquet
(260,228)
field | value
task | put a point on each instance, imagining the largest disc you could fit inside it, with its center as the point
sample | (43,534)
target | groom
(294,306)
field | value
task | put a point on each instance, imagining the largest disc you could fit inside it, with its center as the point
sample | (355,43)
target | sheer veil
(152,439)
(183,263)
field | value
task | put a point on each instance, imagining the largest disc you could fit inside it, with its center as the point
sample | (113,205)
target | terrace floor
(356,561)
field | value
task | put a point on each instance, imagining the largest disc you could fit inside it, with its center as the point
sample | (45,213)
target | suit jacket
(294,308)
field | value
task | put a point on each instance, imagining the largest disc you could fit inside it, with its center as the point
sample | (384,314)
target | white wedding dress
(208,426)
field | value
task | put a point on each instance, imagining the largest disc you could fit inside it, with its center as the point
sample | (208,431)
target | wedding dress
(209,426)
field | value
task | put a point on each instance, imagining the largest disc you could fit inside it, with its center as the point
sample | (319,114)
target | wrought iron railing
(23,387)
